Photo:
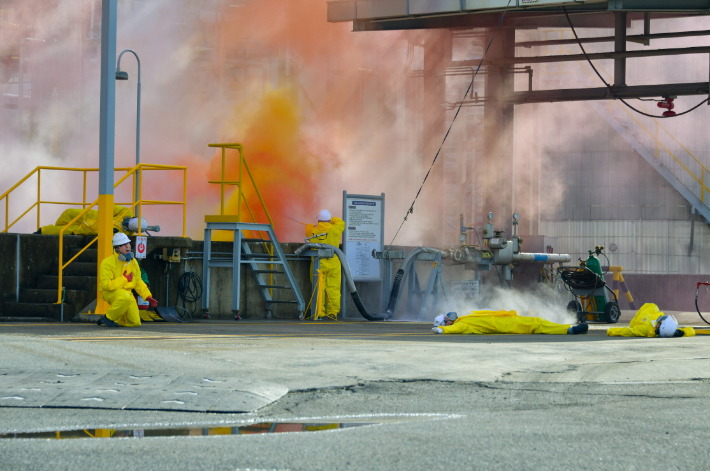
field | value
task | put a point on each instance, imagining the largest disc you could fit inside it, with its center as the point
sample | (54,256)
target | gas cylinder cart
(593,299)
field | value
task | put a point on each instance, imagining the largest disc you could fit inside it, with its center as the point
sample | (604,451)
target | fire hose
(697,290)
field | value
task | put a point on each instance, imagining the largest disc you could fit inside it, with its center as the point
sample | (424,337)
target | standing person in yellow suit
(119,274)
(331,228)
(650,322)
(501,322)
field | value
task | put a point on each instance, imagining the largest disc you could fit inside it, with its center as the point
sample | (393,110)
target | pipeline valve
(667,104)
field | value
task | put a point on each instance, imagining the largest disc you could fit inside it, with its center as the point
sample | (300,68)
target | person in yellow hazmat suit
(86,224)
(649,321)
(119,274)
(501,322)
(328,231)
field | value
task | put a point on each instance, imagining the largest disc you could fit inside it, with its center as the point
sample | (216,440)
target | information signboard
(364,232)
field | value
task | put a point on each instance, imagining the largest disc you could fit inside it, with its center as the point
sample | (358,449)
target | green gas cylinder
(594,265)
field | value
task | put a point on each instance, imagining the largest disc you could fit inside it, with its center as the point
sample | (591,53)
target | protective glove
(678,333)
(128,276)
(153,302)
(437,330)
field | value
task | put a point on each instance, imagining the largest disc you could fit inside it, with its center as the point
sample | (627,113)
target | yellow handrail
(139,203)
(39,202)
(240,194)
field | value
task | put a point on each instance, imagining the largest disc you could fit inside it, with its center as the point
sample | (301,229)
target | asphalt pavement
(360,395)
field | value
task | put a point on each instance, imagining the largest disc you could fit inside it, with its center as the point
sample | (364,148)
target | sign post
(364,217)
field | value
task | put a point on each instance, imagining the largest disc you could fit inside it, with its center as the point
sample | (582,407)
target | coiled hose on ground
(348,278)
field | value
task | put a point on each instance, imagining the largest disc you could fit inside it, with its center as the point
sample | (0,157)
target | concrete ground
(431,401)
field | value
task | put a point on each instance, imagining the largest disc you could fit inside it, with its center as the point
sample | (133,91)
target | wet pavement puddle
(186,431)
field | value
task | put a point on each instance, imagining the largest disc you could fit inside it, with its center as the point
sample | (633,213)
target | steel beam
(620,47)
(594,56)
(636,38)
(603,93)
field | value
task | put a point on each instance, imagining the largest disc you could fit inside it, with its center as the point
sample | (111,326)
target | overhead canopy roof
(369,15)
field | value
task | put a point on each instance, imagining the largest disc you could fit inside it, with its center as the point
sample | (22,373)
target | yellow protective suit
(116,290)
(503,322)
(644,324)
(87,224)
(329,267)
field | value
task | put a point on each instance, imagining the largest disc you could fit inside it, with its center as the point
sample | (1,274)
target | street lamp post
(121,75)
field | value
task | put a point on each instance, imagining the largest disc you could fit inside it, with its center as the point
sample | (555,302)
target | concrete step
(37,310)
(41,296)
(69,282)
(81,269)
(88,255)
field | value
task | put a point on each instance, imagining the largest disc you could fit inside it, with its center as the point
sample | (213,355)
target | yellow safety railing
(135,170)
(240,195)
(653,135)
(238,183)
(37,204)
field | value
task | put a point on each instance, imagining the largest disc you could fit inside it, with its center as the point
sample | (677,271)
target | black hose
(698,309)
(395,291)
(362,310)
(189,290)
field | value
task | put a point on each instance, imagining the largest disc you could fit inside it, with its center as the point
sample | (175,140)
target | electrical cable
(470,86)
(611,89)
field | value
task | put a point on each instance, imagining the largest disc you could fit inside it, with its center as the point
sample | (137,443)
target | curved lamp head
(121,75)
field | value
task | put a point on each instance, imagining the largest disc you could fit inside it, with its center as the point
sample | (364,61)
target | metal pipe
(17,270)
(542,257)
(597,56)
(138,113)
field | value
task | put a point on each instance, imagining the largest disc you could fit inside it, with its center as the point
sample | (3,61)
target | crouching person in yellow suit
(650,322)
(119,274)
(501,322)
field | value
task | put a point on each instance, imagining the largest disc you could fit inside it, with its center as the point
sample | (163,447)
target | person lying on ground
(649,321)
(501,322)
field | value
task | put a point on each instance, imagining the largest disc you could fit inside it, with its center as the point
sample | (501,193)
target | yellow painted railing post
(83,199)
(239,195)
(221,208)
(39,197)
(184,202)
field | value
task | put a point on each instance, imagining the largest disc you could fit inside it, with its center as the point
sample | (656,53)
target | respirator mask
(125,258)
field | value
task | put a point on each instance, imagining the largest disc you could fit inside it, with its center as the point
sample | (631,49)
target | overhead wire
(470,86)
(611,89)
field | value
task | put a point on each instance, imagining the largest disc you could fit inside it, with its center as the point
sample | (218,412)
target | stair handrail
(240,195)
(139,203)
(704,169)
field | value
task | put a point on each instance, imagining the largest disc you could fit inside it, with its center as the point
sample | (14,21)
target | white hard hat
(439,320)
(669,324)
(324,215)
(120,238)
(133,224)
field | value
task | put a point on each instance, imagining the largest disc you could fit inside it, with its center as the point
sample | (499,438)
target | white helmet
(439,320)
(668,326)
(120,238)
(133,224)
(324,215)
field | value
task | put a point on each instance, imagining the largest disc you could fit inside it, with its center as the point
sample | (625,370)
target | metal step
(283,302)
(274,286)
(69,282)
(265,241)
(38,296)
(275,272)
(38,310)
(81,269)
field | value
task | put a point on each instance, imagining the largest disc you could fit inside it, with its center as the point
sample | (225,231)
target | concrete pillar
(498,127)
(437,54)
